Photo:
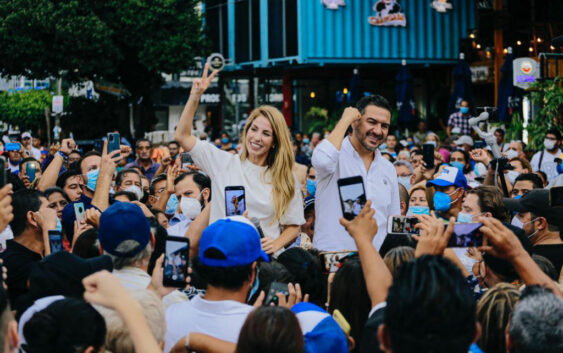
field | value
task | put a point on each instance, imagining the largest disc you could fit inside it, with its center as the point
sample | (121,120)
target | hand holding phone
(275,288)
(55,241)
(352,196)
(235,201)
(79,212)
(176,258)
(428,155)
(186,160)
(113,142)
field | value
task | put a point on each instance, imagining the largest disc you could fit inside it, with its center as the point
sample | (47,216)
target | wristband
(62,154)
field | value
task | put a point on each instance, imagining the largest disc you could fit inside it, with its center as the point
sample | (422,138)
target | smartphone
(235,200)
(275,287)
(176,256)
(113,142)
(556,196)
(2,173)
(352,196)
(332,260)
(186,160)
(30,171)
(466,235)
(79,211)
(428,155)
(402,225)
(12,146)
(480,144)
(341,321)
(55,242)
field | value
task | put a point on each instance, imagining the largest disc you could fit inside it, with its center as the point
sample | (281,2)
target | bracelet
(62,154)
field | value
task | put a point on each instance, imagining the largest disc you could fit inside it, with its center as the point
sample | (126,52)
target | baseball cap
(449,176)
(308,202)
(320,330)
(120,222)
(236,238)
(536,201)
(456,131)
(26,135)
(464,140)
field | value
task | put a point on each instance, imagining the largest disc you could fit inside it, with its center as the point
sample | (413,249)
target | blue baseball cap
(236,238)
(320,330)
(120,222)
(449,176)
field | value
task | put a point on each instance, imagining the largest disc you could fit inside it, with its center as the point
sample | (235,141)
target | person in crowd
(397,256)
(125,196)
(311,183)
(264,167)
(420,135)
(71,183)
(315,139)
(337,157)
(228,253)
(391,145)
(464,143)
(418,202)
(461,160)
(129,180)
(87,244)
(493,312)
(157,187)
(450,187)
(271,329)
(58,199)
(143,149)
(305,238)
(404,173)
(546,266)
(73,157)
(300,156)
(543,177)
(499,136)
(541,223)
(404,199)
(535,324)
(520,165)
(27,146)
(515,149)
(484,200)
(524,183)
(174,149)
(460,120)
(14,159)
(32,222)
(544,160)
(27,178)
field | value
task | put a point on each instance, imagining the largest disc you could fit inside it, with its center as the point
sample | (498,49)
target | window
(282,28)
(217,26)
(247,30)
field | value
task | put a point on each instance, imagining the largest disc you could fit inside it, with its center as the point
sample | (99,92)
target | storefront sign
(388,13)
(525,72)
(333,4)
(480,74)
(441,5)
(216,61)
(209,98)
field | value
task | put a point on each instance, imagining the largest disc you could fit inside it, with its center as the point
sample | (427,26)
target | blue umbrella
(405,98)
(462,86)
(509,96)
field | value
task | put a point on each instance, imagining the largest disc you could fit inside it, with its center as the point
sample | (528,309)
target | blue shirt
(149,172)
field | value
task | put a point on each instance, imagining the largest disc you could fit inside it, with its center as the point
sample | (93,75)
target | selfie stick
(500,162)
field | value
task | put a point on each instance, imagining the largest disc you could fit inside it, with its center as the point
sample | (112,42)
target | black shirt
(18,260)
(369,342)
(552,252)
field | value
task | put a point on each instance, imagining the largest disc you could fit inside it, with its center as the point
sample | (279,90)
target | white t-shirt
(220,319)
(226,169)
(548,165)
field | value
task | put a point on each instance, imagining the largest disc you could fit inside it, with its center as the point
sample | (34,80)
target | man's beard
(362,140)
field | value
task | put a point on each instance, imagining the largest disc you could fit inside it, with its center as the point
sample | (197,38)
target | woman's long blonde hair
(280,158)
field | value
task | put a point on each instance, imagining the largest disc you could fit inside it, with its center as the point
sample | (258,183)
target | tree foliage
(24,109)
(548,96)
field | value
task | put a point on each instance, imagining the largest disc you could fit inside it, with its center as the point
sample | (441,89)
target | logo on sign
(526,67)
(388,13)
(526,71)
(216,61)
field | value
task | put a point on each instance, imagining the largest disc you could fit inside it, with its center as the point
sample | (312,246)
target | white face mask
(517,222)
(511,154)
(511,176)
(549,144)
(135,190)
(190,207)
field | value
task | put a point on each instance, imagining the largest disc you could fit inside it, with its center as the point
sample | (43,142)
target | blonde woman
(264,168)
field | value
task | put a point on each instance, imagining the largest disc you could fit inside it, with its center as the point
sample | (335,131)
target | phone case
(175,270)
(275,287)
(341,321)
(79,211)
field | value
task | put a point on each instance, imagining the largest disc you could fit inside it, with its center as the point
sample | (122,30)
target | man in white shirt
(228,253)
(545,160)
(340,157)
(26,142)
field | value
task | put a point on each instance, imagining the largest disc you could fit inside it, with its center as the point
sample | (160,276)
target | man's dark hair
(129,195)
(173,143)
(143,140)
(61,180)
(27,160)
(490,199)
(23,201)
(155,180)
(54,190)
(430,308)
(546,266)
(88,154)
(534,178)
(75,151)
(377,100)
(119,177)
(554,131)
(500,131)
(222,277)
(202,180)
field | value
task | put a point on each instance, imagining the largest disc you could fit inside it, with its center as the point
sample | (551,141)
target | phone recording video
(428,155)
(352,196)
(275,287)
(55,242)
(333,260)
(113,142)
(30,171)
(402,225)
(466,235)
(79,211)
(235,200)
(176,261)
(186,160)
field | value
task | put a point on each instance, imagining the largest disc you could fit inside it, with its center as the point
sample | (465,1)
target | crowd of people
(84,241)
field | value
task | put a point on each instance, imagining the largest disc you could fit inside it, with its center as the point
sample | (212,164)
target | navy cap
(308,202)
(234,237)
(449,176)
(120,222)
(536,201)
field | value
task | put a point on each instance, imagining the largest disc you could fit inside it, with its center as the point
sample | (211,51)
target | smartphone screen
(556,196)
(113,142)
(176,261)
(235,201)
(12,146)
(332,260)
(56,242)
(352,196)
(275,287)
(30,171)
(466,235)
(402,225)
(79,211)
(186,160)
(428,155)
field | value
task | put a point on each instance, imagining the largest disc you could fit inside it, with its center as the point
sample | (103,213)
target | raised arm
(105,177)
(49,177)
(183,132)
(376,274)
(196,228)
(349,115)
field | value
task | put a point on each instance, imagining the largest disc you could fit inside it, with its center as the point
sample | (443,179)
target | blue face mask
(458,165)
(442,201)
(92,179)
(255,286)
(464,218)
(172,205)
(306,141)
(464,110)
(311,187)
(224,140)
(418,210)
(59,226)
(405,181)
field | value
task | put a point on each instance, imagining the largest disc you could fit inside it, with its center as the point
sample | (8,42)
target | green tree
(24,109)
(548,96)
(130,42)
